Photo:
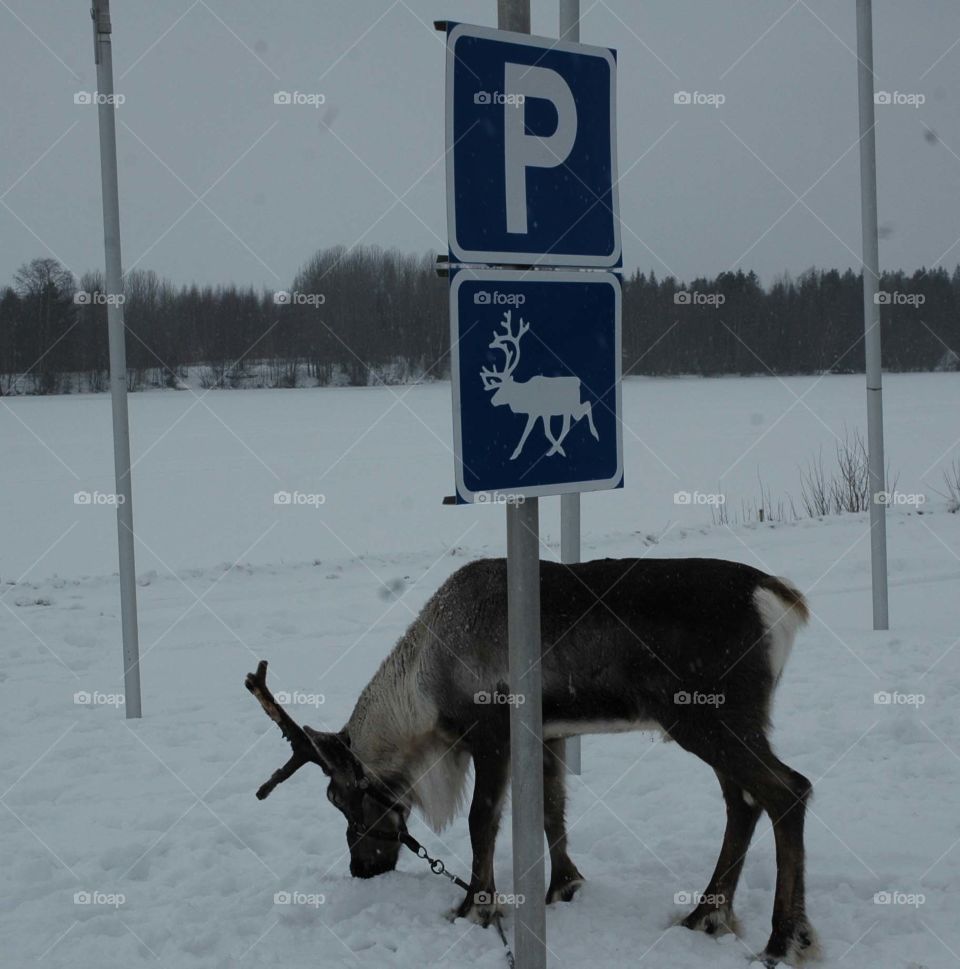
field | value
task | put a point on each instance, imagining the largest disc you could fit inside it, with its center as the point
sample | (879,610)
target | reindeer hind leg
(565,878)
(714,911)
(587,411)
(557,441)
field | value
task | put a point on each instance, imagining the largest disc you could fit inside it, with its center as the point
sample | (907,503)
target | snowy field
(156,819)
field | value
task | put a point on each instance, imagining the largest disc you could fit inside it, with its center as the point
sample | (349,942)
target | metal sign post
(526,719)
(535,350)
(570,504)
(526,733)
(118,357)
(871,314)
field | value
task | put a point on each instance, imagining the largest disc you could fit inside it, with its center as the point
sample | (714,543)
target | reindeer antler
(504,341)
(304,750)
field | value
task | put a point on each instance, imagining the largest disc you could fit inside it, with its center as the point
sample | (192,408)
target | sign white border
(514,276)
(530,258)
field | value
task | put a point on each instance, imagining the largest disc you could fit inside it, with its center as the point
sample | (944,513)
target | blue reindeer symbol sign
(536,383)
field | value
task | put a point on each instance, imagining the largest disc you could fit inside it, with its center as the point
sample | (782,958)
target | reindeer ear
(333,749)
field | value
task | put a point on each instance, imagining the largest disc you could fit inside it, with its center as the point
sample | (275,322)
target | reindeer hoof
(799,945)
(564,892)
(711,920)
(479,908)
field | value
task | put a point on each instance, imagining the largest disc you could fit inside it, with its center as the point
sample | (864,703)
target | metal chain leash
(439,868)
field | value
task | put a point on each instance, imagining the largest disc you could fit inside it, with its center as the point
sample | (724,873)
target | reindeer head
(375,818)
(509,343)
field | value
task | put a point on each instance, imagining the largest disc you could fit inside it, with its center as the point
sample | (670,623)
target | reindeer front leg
(531,420)
(490,782)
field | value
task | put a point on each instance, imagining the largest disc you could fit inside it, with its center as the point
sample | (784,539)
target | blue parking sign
(531,150)
(535,367)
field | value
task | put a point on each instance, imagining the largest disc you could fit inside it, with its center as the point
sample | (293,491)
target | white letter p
(523,151)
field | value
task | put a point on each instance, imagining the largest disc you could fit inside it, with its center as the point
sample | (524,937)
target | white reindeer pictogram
(540,398)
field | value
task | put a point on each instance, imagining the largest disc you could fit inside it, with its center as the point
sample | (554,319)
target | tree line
(367,315)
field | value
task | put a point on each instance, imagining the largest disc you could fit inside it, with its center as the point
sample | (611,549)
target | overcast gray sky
(219,184)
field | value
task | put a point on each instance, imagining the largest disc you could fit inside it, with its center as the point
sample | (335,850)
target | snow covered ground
(156,818)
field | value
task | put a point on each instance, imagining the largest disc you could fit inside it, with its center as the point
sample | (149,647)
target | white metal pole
(570,504)
(871,313)
(514,15)
(526,732)
(570,554)
(570,20)
(118,357)
(526,718)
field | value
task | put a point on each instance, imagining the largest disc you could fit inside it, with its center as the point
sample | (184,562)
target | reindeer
(540,398)
(627,644)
